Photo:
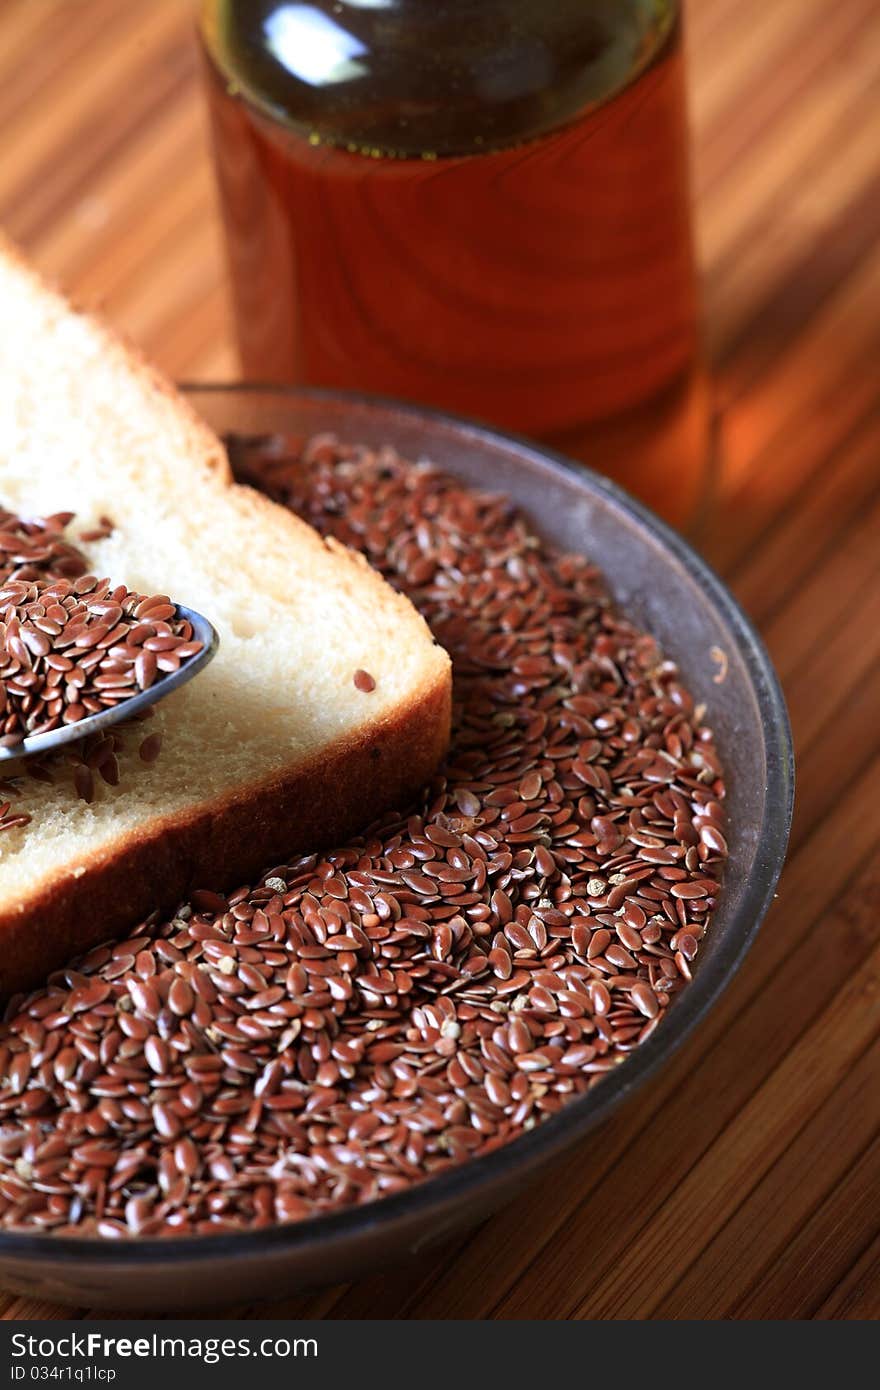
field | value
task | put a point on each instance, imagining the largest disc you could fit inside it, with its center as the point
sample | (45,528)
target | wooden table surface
(744,1182)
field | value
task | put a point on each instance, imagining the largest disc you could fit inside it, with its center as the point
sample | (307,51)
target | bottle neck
(431,77)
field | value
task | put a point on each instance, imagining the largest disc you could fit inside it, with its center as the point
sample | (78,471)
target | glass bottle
(481,205)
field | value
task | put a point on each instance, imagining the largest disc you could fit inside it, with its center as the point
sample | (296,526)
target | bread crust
(228,843)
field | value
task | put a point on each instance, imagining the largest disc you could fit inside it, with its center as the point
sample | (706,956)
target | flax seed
(364,1018)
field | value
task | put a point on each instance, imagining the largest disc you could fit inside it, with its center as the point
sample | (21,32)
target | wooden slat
(771,80)
(742,1182)
(762,1228)
(814,527)
(820,222)
(811,1276)
(110,75)
(834,349)
(856,1294)
(727,54)
(791,146)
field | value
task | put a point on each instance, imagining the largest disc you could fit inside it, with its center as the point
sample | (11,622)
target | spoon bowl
(40,745)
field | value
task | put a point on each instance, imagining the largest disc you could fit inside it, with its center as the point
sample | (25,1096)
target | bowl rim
(441,1191)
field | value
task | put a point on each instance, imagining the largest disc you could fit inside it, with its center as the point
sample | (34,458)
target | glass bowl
(664,585)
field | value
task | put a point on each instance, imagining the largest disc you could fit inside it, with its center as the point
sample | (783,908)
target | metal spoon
(41,744)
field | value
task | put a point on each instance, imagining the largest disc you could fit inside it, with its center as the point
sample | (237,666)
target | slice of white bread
(272,750)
